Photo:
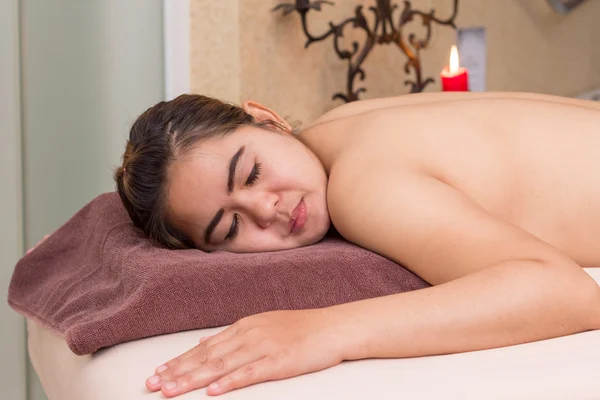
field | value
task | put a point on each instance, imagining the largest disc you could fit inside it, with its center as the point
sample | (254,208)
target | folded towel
(98,281)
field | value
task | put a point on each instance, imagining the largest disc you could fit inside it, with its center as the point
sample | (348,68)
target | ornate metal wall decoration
(382,31)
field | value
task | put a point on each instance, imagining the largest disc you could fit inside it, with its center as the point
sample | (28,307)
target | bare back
(529,162)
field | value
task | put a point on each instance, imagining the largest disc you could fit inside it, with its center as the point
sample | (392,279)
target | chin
(309,238)
(320,233)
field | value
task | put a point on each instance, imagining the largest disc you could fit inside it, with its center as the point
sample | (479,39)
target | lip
(299,217)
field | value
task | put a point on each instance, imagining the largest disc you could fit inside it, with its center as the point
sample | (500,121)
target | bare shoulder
(424,224)
(364,106)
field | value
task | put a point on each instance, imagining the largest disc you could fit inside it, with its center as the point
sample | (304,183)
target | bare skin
(492,198)
(532,161)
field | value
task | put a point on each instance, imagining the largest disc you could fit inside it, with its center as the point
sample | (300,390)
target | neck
(324,141)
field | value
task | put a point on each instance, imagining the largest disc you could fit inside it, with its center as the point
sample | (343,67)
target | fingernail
(214,386)
(170,385)
(154,379)
(161,369)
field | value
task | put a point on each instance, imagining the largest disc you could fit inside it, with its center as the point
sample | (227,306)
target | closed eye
(253,177)
(235,226)
(235,223)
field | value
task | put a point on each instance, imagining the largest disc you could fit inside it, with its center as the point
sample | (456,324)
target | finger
(209,372)
(201,354)
(163,373)
(217,338)
(259,371)
(184,356)
(225,334)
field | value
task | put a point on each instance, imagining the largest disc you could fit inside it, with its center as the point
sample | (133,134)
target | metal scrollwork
(382,31)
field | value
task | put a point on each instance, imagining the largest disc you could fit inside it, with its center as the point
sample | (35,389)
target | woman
(492,198)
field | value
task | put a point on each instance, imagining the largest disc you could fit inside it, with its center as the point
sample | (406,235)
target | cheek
(257,236)
(298,169)
(261,243)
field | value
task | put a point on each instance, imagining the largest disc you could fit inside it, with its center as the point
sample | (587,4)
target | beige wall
(241,50)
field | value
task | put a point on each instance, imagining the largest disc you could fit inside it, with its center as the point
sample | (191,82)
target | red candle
(454,79)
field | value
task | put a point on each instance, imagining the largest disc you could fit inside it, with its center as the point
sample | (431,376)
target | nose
(261,206)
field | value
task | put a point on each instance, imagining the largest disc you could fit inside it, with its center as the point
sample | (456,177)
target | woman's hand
(263,347)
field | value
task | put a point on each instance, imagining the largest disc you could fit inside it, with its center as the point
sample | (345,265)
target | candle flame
(454,65)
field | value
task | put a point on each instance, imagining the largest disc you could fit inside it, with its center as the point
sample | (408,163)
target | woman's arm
(359,107)
(498,285)
(509,303)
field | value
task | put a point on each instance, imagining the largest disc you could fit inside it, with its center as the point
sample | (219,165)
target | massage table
(560,368)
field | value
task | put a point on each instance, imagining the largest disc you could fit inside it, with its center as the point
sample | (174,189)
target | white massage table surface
(560,368)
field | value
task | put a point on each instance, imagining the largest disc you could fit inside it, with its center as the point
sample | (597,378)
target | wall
(215,48)
(241,50)
(89,68)
(12,333)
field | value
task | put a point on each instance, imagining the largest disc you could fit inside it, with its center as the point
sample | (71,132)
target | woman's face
(252,190)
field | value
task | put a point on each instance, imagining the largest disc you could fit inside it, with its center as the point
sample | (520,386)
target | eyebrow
(213,224)
(230,183)
(232,167)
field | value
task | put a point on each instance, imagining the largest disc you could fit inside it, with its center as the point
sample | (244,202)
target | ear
(262,113)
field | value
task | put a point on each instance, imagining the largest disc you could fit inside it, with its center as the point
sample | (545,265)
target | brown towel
(98,281)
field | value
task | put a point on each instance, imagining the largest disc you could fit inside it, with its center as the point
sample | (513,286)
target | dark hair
(161,135)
